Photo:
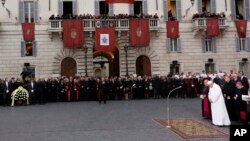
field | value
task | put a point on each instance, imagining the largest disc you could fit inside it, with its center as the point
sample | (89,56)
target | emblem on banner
(138,32)
(242,29)
(28,32)
(104,39)
(73,34)
(172,30)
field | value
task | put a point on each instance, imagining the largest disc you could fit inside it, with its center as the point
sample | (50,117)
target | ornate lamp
(3,2)
(192,2)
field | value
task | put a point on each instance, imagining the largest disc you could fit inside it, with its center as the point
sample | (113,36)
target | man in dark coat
(6,87)
(157,86)
(32,92)
(103,91)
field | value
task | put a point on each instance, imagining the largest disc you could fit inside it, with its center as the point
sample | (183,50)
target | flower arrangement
(20,94)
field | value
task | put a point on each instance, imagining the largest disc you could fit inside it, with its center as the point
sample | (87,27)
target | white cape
(218,107)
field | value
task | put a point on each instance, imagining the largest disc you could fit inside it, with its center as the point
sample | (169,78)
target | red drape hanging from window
(73,33)
(139,32)
(28,32)
(241,26)
(172,29)
(213,27)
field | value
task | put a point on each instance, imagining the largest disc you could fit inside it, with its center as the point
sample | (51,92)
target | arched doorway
(68,67)
(108,62)
(143,66)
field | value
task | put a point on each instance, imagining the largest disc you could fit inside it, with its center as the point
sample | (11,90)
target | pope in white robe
(218,107)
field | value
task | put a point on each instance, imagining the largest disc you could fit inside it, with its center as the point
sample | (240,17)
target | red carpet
(190,128)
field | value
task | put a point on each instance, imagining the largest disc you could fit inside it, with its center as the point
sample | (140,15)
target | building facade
(193,51)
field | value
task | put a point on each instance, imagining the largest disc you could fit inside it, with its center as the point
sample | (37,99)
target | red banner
(105,39)
(139,32)
(28,32)
(172,29)
(73,33)
(119,1)
(213,28)
(241,26)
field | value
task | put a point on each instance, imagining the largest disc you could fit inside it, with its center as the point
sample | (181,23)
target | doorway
(174,68)
(138,7)
(68,67)
(209,68)
(143,66)
(67,8)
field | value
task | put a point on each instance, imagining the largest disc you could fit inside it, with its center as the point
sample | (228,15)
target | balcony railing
(201,23)
(90,24)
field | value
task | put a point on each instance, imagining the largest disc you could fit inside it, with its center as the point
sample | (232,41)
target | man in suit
(32,92)
(243,79)
(6,87)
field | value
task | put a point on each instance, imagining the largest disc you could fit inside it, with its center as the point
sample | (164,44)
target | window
(28,11)
(205,6)
(240,9)
(139,8)
(209,68)
(172,10)
(242,44)
(29,72)
(67,8)
(104,8)
(174,68)
(28,49)
(208,44)
(173,45)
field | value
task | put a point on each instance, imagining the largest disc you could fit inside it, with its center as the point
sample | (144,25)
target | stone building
(193,51)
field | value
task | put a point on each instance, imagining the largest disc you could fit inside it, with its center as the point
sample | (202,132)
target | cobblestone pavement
(89,121)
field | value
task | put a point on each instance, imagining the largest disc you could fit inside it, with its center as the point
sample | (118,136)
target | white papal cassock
(219,112)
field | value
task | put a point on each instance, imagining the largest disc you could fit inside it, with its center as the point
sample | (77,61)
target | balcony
(90,24)
(200,24)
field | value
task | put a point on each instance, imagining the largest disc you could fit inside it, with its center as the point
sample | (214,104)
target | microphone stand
(168,125)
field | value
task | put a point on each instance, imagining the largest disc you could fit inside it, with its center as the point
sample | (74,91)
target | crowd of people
(67,89)
(222,99)
(102,16)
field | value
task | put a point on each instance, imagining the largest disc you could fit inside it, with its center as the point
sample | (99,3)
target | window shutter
(168,45)
(34,48)
(145,7)
(131,9)
(213,6)
(203,44)
(247,9)
(199,4)
(178,10)
(22,48)
(237,44)
(74,6)
(178,45)
(60,7)
(21,12)
(35,11)
(97,8)
(111,9)
(165,8)
(233,10)
(247,44)
(213,43)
